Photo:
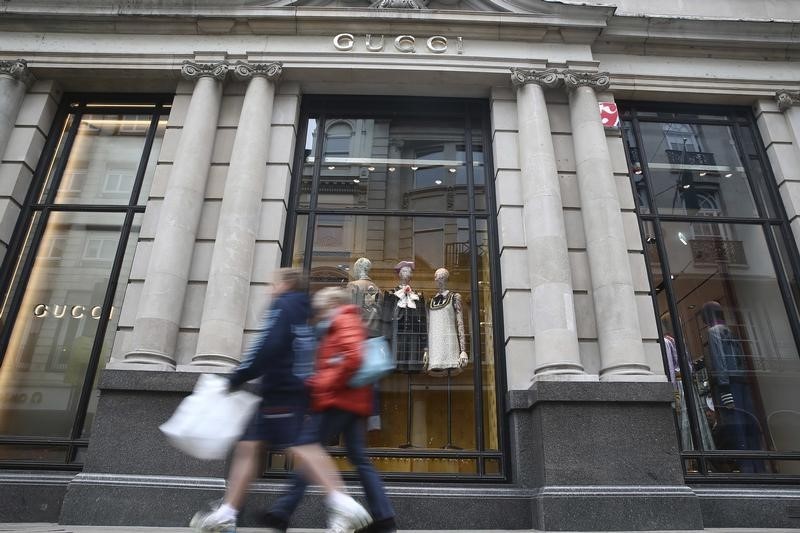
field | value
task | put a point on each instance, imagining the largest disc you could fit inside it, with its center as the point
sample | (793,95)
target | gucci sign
(407,44)
(66,311)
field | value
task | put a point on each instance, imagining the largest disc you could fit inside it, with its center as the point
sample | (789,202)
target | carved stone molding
(548,78)
(17,69)
(787,99)
(193,71)
(244,71)
(399,4)
(598,81)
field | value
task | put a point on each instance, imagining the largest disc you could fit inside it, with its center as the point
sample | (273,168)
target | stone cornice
(193,71)
(599,81)
(244,70)
(548,78)
(787,99)
(16,69)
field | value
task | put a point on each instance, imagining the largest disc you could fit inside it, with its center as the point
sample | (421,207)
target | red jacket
(338,358)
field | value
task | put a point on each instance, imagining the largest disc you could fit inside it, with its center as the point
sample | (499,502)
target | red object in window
(609,114)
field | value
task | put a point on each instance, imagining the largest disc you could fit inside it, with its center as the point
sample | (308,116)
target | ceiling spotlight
(370,168)
(638,172)
(331,167)
(683,239)
(414,168)
(452,170)
(687,186)
(356,180)
(391,169)
(437,182)
(703,173)
(728,175)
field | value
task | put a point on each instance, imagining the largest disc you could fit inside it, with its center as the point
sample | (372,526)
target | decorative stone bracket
(241,69)
(553,78)
(787,99)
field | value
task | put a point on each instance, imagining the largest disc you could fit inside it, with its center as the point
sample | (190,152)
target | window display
(65,293)
(394,212)
(724,291)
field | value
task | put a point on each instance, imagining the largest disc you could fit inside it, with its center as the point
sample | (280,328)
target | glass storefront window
(695,169)
(65,292)
(424,190)
(727,299)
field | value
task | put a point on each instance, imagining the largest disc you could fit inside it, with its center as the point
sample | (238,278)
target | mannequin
(367,296)
(739,428)
(446,353)
(405,310)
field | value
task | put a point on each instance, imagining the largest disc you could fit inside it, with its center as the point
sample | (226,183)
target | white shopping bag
(209,421)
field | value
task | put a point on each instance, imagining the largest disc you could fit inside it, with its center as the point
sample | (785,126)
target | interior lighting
(728,175)
(331,167)
(356,180)
(437,182)
(687,186)
(638,172)
(414,168)
(452,171)
(683,239)
(371,169)
(703,173)
(391,169)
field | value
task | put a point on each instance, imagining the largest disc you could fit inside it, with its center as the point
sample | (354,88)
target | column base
(214,359)
(204,369)
(130,365)
(149,357)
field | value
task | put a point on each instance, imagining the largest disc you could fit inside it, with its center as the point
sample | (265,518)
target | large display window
(63,286)
(723,271)
(390,202)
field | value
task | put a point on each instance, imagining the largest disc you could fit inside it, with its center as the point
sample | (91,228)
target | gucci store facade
(613,197)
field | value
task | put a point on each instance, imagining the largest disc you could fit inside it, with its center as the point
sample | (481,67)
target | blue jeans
(332,423)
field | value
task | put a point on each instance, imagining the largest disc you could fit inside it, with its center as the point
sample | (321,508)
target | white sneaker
(346,515)
(210,522)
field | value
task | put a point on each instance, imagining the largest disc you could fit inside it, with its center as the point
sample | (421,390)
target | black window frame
(737,118)
(62,132)
(322,107)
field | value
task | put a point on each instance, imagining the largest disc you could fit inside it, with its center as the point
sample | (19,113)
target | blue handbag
(377,362)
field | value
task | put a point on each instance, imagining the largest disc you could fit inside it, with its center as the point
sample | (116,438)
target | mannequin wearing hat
(446,352)
(409,326)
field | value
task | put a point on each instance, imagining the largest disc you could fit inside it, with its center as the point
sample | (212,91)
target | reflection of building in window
(135,124)
(338,138)
(52,247)
(100,249)
(119,181)
(73,179)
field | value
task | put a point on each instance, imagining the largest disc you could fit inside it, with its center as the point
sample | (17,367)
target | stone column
(789,103)
(14,79)
(556,340)
(155,329)
(225,308)
(621,349)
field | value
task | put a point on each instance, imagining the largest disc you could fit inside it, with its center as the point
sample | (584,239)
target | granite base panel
(142,501)
(763,507)
(608,510)
(31,496)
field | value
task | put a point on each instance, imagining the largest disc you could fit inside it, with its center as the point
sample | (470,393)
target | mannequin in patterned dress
(446,352)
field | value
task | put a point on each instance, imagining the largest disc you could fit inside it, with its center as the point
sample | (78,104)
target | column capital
(244,70)
(547,78)
(786,99)
(194,71)
(16,69)
(598,81)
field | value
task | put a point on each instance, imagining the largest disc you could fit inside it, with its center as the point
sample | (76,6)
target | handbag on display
(208,422)
(377,362)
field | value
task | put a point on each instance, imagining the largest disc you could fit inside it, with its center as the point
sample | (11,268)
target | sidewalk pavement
(56,528)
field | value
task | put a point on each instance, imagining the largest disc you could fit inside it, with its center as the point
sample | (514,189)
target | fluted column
(155,329)
(619,334)
(556,340)
(225,308)
(14,79)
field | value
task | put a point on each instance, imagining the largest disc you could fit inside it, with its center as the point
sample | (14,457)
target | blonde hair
(294,278)
(331,297)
